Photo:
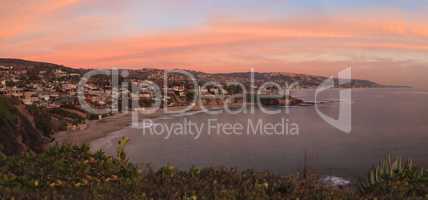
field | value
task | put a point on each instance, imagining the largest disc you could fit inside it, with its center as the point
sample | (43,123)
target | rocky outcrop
(280,101)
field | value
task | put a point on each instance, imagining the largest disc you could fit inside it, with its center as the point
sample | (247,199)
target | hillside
(20,64)
(18,133)
(305,81)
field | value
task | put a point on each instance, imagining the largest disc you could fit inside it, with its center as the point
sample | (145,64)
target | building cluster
(47,89)
(55,87)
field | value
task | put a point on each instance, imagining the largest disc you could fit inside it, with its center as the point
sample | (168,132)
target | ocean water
(383,121)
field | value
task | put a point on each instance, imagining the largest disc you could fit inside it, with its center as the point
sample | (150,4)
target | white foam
(335,181)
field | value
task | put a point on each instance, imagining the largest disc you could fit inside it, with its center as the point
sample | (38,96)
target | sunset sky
(382,40)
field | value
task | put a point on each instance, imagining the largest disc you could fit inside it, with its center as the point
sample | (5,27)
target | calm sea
(383,121)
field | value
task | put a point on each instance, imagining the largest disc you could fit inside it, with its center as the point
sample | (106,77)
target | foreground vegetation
(73,172)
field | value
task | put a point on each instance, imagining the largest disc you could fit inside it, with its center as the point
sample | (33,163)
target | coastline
(97,129)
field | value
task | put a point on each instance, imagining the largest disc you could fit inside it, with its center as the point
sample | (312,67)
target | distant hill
(302,79)
(20,64)
(25,63)
(153,74)
(18,133)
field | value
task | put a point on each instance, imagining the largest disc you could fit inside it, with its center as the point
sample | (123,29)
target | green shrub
(394,178)
(67,172)
(73,172)
(42,119)
(7,112)
(70,116)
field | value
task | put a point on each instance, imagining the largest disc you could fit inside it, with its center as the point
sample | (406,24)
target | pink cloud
(302,44)
(20,16)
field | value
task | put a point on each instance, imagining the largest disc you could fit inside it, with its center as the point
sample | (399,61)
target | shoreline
(97,129)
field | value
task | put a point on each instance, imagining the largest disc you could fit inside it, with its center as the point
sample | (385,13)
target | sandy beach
(101,128)
(95,130)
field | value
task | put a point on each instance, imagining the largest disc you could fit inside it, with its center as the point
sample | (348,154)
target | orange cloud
(22,16)
(304,44)
(220,41)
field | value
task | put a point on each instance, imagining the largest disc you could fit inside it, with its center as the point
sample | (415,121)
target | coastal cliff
(18,132)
